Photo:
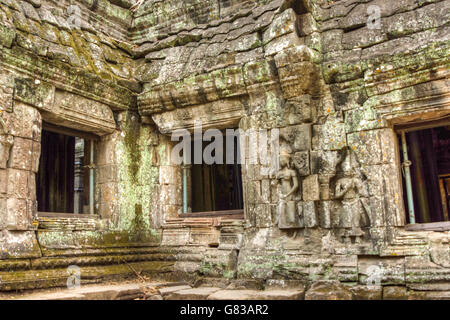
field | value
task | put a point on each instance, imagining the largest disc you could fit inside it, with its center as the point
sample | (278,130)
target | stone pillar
(5,147)
(19,164)
(106,177)
(171,184)
(79,175)
(20,133)
(127,178)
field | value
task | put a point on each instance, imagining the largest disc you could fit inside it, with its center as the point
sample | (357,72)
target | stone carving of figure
(287,217)
(3,128)
(6,142)
(351,190)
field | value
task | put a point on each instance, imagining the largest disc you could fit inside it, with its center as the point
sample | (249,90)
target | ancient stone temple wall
(67,65)
(127,75)
(334,88)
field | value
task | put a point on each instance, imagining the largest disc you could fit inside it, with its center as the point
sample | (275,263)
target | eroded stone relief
(287,215)
(352,192)
(6,141)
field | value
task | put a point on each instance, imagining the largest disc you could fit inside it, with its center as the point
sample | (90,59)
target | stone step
(257,295)
(94,292)
(201,293)
(164,292)
(120,291)
(47,278)
(160,291)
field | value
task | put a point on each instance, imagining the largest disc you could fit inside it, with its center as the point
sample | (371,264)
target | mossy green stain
(132,148)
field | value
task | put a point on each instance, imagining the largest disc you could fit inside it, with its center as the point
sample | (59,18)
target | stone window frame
(229,213)
(400,124)
(65,220)
(211,216)
(228,113)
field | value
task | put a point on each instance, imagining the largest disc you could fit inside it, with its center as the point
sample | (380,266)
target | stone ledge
(162,290)
(201,293)
(328,290)
(257,295)
(68,223)
(38,279)
(128,291)
(434,226)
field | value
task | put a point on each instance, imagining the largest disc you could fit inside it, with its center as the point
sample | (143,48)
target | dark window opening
(216,187)
(297,5)
(62,181)
(429,154)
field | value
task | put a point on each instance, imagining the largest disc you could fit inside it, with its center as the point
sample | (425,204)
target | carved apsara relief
(350,207)
(6,141)
(287,217)
(352,193)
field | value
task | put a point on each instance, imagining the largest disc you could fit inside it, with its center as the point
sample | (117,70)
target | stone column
(22,161)
(79,181)
(20,133)
(106,177)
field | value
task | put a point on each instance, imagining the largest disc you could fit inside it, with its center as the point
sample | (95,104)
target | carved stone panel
(6,92)
(299,136)
(300,161)
(80,113)
(219,114)
(6,142)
